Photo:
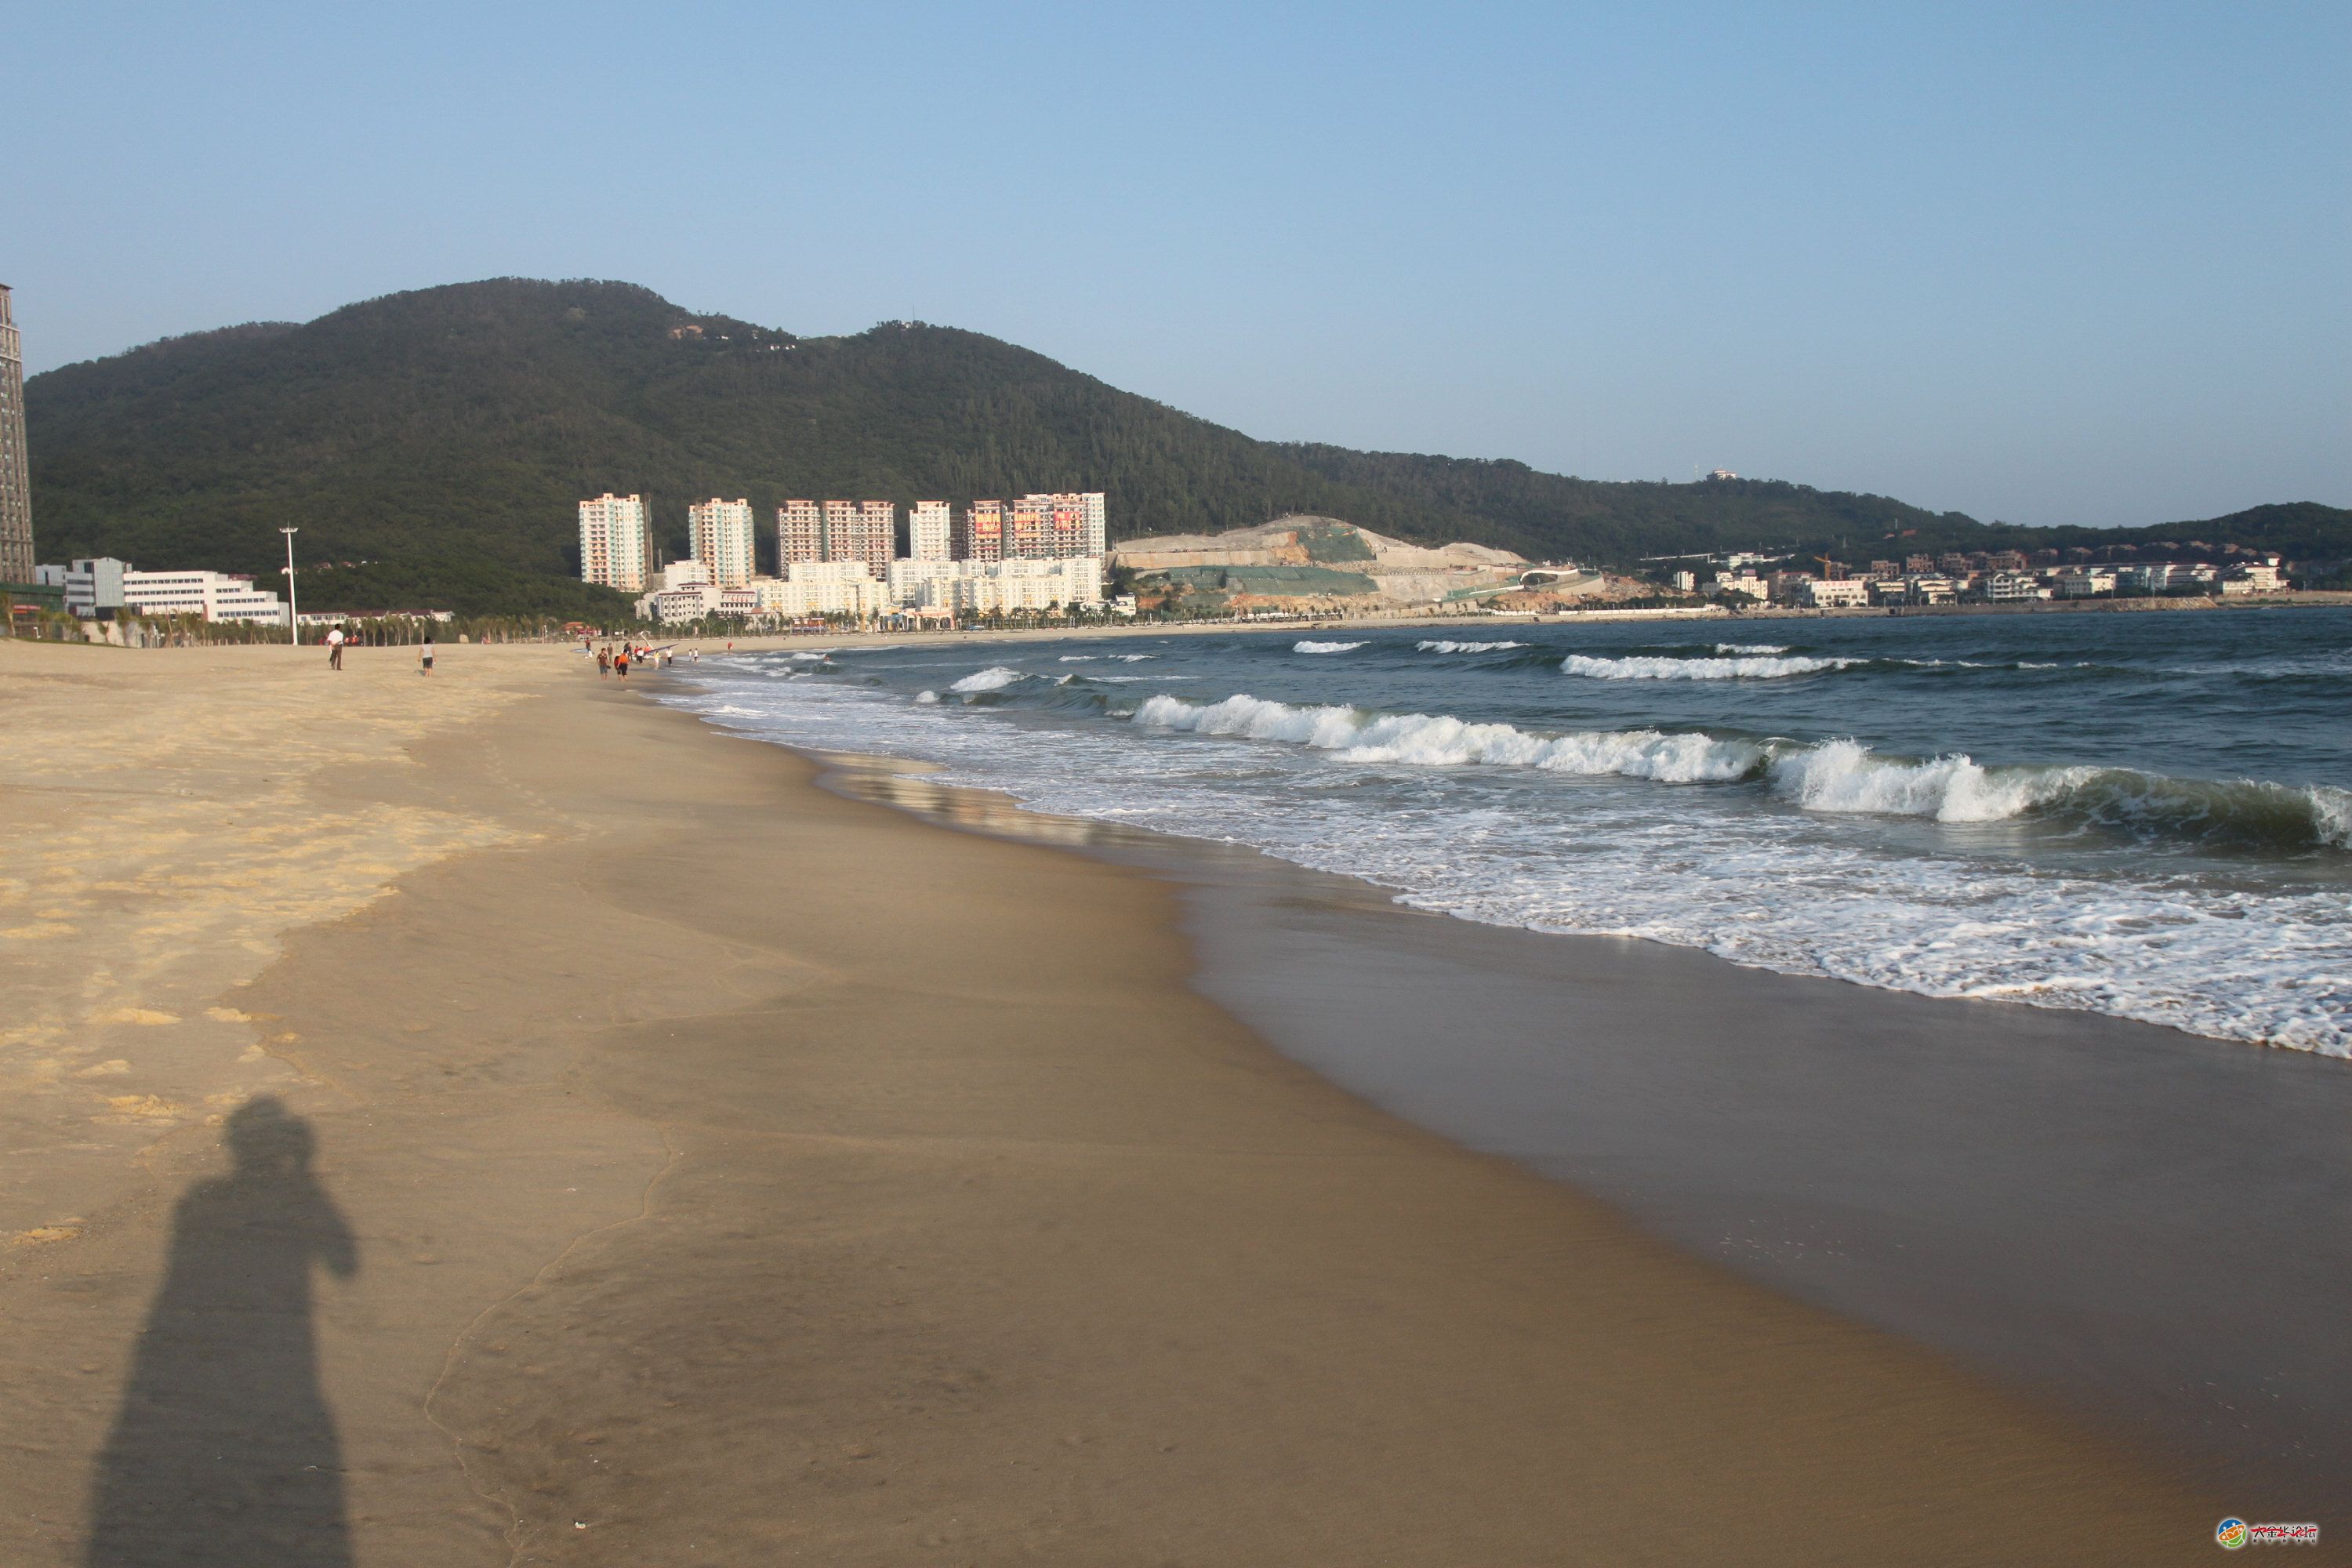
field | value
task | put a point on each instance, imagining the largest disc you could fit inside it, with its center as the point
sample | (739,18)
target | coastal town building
(980,535)
(2082,582)
(817,588)
(1830,592)
(985,587)
(2256,577)
(722,532)
(2010,587)
(15,474)
(929,530)
(102,587)
(616,543)
(862,531)
(800,533)
(1041,526)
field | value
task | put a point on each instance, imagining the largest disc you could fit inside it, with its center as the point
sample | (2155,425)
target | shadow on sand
(224,1451)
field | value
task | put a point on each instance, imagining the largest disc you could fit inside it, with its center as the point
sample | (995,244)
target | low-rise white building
(103,584)
(989,587)
(2082,582)
(2259,577)
(2011,587)
(822,588)
(1822,594)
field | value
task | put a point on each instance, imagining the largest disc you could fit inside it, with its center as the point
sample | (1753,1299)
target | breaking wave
(1840,776)
(1356,736)
(1439,644)
(1749,647)
(1324,647)
(995,678)
(1745,667)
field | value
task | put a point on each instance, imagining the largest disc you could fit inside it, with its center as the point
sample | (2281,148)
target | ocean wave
(1752,647)
(1324,647)
(1080,658)
(819,653)
(1839,777)
(1845,775)
(925,699)
(1652,668)
(995,678)
(1427,740)
(1438,645)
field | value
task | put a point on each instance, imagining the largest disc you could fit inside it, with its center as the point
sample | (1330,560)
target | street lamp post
(293,611)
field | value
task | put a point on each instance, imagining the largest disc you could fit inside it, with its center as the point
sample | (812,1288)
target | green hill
(440,440)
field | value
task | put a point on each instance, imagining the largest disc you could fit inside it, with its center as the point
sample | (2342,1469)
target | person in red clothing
(621,662)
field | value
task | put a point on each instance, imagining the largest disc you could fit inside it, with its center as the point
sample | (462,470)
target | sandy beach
(493,1119)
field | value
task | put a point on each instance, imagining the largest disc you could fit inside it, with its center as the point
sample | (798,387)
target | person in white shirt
(335,649)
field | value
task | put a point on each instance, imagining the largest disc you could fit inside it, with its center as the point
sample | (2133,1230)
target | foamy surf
(1953,808)
(1659,668)
(1312,647)
(995,678)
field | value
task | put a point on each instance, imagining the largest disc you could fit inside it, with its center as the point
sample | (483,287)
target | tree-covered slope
(446,435)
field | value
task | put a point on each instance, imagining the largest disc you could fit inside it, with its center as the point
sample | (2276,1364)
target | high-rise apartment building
(800,534)
(1028,529)
(928,527)
(864,531)
(616,543)
(1096,524)
(15,474)
(722,532)
(980,535)
(1047,527)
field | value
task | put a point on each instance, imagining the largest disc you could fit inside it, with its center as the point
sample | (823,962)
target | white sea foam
(995,678)
(1310,647)
(820,653)
(2331,810)
(927,698)
(1639,666)
(1844,775)
(1438,645)
(1079,658)
(1806,885)
(1428,740)
(1749,647)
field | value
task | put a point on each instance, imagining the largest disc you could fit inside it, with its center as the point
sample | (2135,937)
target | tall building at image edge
(616,543)
(15,472)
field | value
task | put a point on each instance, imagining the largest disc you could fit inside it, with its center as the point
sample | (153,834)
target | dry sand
(709,1168)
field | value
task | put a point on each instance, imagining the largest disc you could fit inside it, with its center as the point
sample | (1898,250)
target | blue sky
(2047,264)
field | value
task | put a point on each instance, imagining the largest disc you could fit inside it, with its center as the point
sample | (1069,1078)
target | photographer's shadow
(224,1451)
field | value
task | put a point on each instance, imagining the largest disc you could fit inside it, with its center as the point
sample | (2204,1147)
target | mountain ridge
(445,435)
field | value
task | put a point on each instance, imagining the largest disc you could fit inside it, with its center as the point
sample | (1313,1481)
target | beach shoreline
(731,1162)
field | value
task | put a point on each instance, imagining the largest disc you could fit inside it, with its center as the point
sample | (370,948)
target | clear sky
(2045,263)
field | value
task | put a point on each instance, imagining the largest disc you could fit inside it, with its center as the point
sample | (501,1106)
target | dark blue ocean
(2146,815)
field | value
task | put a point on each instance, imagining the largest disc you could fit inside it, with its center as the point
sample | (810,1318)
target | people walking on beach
(621,662)
(604,661)
(427,653)
(335,649)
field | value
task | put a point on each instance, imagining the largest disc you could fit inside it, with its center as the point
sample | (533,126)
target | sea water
(2143,815)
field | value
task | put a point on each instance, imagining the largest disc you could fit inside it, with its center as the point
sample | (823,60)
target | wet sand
(662,1159)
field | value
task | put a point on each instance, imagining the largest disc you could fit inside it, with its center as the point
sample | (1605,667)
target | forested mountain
(444,437)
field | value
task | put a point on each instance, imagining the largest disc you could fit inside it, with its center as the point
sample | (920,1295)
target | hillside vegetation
(439,440)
